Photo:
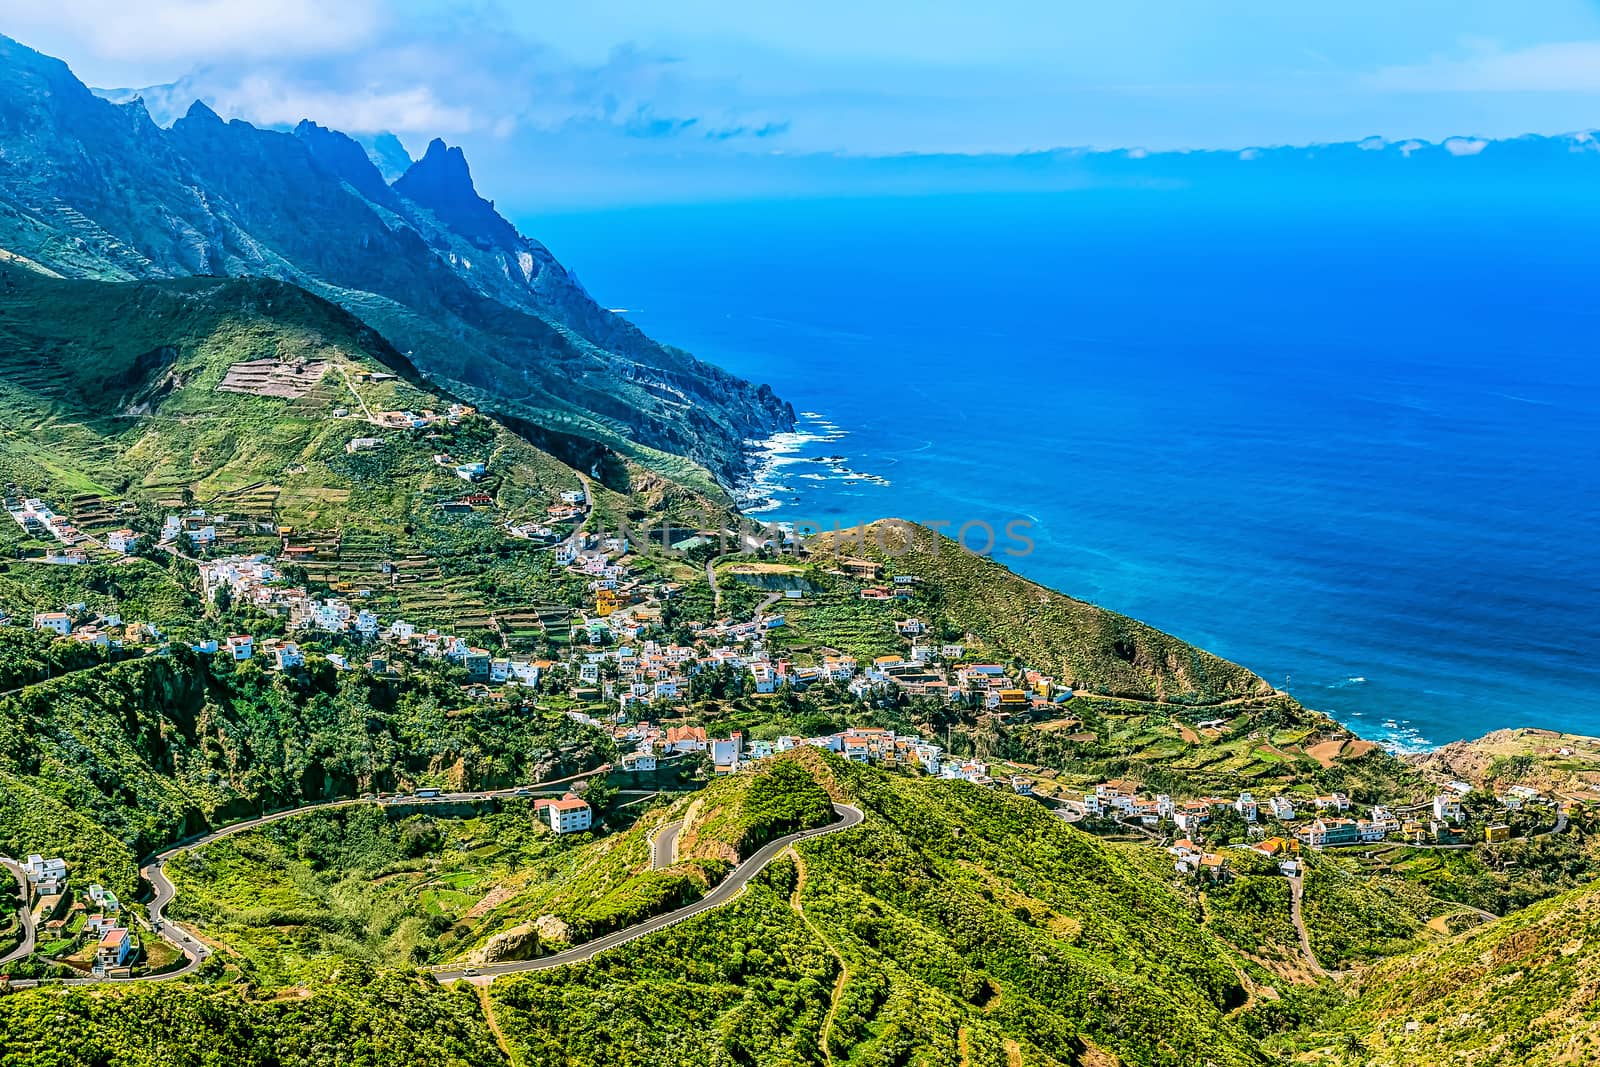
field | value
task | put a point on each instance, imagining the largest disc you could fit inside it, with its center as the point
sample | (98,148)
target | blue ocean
(1354,447)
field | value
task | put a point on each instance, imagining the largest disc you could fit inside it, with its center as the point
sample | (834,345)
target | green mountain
(956,925)
(202,386)
(93,189)
(1085,646)
(1519,992)
(112,762)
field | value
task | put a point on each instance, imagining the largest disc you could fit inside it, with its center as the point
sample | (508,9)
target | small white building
(57,622)
(241,647)
(288,656)
(765,678)
(569,815)
(49,876)
(726,751)
(123,541)
(639,761)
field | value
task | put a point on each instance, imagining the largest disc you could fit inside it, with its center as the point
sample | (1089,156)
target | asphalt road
(728,889)
(185,941)
(26,915)
(664,846)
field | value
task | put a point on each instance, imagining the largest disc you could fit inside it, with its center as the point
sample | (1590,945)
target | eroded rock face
(552,928)
(523,941)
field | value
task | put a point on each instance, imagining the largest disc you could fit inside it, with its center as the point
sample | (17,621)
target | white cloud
(197,31)
(1464,146)
(266,100)
(1566,67)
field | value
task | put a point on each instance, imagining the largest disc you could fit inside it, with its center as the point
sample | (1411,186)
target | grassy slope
(363,1018)
(1520,991)
(1090,647)
(111,389)
(106,764)
(955,919)
(302,897)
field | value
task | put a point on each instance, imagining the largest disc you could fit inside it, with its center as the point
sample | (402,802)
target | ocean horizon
(1351,447)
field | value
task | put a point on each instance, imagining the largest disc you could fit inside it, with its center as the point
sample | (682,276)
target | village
(87,930)
(627,677)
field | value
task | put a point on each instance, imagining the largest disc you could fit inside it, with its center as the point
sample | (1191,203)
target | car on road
(471,972)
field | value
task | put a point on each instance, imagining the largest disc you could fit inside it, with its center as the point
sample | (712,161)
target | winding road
(664,846)
(25,916)
(186,941)
(729,888)
(1297,892)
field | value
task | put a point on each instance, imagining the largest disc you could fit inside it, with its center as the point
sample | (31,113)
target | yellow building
(1497,833)
(605,602)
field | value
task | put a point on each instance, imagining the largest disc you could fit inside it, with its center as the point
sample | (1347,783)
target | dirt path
(844,969)
(1013,1053)
(494,1024)
(963,1046)
(1296,892)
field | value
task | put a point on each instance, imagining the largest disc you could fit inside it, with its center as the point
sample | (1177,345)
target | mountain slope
(1518,992)
(957,925)
(1081,644)
(124,390)
(96,189)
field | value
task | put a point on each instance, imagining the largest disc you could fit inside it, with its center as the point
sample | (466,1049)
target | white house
(288,655)
(124,541)
(1282,808)
(58,622)
(1446,808)
(1246,807)
(49,876)
(569,815)
(639,761)
(726,751)
(105,898)
(241,647)
(766,679)
(114,950)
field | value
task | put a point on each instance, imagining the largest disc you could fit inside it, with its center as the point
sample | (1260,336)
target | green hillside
(1519,992)
(1082,644)
(956,926)
(108,764)
(367,1017)
(120,391)
(95,189)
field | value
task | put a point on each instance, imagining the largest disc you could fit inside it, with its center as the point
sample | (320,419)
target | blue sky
(614,94)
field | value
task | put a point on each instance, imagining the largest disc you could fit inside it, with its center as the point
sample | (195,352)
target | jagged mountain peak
(199,112)
(90,187)
(441,181)
(345,158)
